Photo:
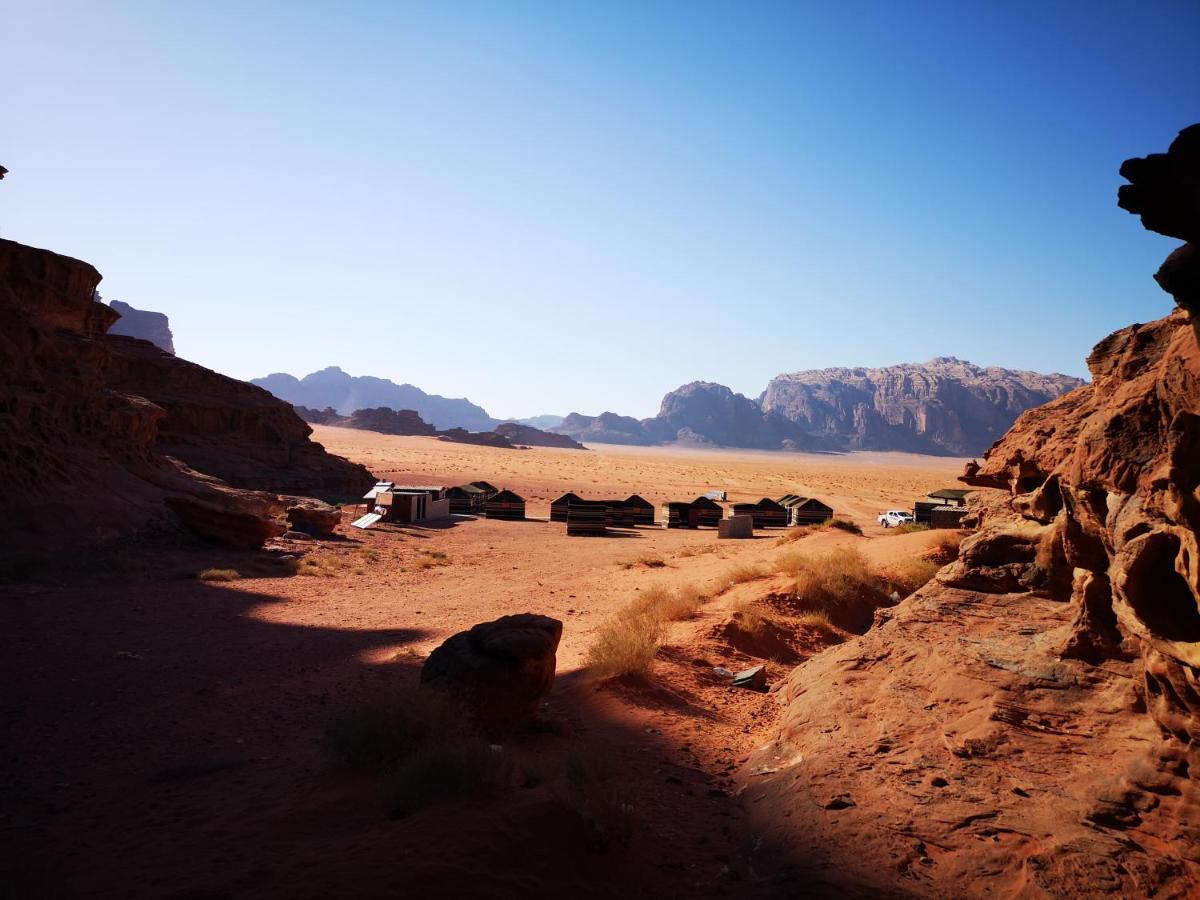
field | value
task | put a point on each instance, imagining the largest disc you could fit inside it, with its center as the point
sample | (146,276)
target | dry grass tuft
(840,583)
(793,534)
(815,618)
(428,559)
(844,525)
(910,574)
(750,617)
(627,643)
(909,528)
(739,574)
(648,562)
(219,575)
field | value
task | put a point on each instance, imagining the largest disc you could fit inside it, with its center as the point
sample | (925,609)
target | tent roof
(507,496)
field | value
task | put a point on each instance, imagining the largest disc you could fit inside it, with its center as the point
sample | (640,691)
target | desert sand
(176,726)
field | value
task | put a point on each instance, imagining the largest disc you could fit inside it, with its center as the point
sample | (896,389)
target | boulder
(501,669)
(225,523)
(312,517)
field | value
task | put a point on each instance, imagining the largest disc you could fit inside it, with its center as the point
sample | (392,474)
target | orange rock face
(1029,722)
(97,431)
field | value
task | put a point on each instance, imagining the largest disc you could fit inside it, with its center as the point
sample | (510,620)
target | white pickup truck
(894,517)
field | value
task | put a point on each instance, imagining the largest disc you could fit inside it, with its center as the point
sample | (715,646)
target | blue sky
(556,207)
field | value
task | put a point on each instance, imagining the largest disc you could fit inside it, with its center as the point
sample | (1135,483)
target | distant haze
(555,207)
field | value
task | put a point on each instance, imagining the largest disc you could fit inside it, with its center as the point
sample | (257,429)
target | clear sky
(561,206)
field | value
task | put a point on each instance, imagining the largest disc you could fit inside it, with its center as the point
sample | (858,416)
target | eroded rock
(501,669)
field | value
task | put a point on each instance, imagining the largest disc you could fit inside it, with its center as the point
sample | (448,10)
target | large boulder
(312,516)
(501,669)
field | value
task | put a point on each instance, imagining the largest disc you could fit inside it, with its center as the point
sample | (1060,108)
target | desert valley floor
(181,751)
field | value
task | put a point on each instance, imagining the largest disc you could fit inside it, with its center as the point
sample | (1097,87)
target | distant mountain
(945,406)
(606,428)
(536,437)
(141,323)
(942,406)
(348,393)
(543,422)
(380,419)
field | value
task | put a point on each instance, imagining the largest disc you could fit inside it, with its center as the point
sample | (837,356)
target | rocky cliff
(347,393)
(140,323)
(1029,722)
(707,413)
(98,432)
(942,406)
(606,428)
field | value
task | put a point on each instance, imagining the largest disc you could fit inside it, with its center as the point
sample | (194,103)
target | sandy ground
(165,734)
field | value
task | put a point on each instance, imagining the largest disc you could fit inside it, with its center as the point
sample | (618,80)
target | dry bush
(370,554)
(791,563)
(909,528)
(794,534)
(428,559)
(910,574)
(844,525)
(739,574)
(815,618)
(319,566)
(841,584)
(422,740)
(627,642)
(219,575)
(649,562)
(750,616)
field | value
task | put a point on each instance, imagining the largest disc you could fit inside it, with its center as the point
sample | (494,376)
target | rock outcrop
(140,323)
(1032,716)
(381,420)
(501,669)
(347,393)
(606,428)
(944,406)
(535,437)
(97,431)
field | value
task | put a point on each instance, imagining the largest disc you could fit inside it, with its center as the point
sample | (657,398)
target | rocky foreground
(1028,723)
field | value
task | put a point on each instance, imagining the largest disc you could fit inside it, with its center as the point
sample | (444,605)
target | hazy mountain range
(944,406)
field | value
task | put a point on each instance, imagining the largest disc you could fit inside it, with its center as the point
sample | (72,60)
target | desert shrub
(422,741)
(845,525)
(793,534)
(910,574)
(739,574)
(815,618)
(841,584)
(625,644)
(909,528)
(219,575)
(791,563)
(428,559)
(750,617)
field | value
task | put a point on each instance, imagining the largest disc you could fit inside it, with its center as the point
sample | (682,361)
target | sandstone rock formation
(535,437)
(140,323)
(381,419)
(945,406)
(942,406)
(1032,716)
(501,669)
(347,393)
(96,431)
(606,428)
